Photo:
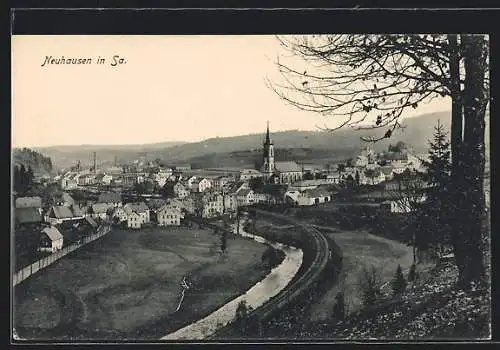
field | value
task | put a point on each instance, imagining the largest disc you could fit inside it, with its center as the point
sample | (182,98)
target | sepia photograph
(331,187)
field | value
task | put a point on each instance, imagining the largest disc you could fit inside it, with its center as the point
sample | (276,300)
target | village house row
(196,193)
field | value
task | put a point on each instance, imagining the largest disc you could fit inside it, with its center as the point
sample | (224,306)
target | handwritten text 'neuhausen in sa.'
(114,61)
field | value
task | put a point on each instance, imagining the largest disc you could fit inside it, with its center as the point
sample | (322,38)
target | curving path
(274,283)
(272,293)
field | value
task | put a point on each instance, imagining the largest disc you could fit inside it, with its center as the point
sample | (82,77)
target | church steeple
(268,139)
(268,168)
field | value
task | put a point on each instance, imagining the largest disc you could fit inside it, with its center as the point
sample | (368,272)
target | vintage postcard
(250,187)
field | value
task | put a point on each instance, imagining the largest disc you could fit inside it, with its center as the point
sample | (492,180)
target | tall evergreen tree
(399,282)
(435,216)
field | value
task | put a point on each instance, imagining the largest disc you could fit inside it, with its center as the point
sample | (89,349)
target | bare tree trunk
(456,144)
(475,102)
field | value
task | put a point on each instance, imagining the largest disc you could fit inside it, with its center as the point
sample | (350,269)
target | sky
(170,88)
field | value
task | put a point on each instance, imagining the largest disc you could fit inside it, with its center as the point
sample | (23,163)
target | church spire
(268,139)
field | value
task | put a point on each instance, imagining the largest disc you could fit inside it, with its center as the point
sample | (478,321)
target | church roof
(287,166)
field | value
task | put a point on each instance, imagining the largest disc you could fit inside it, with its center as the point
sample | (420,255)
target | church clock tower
(268,167)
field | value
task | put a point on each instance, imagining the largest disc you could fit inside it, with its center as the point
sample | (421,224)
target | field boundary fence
(48,260)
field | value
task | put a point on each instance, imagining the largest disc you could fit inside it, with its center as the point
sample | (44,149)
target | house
(64,199)
(155,203)
(316,196)
(180,190)
(99,210)
(190,181)
(373,177)
(114,170)
(219,182)
(28,202)
(230,203)
(112,199)
(51,240)
(119,213)
(200,185)
(245,197)
(139,208)
(61,213)
(212,204)
(27,217)
(247,174)
(70,180)
(134,220)
(190,204)
(168,216)
(308,197)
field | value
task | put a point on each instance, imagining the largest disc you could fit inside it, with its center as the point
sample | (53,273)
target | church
(278,172)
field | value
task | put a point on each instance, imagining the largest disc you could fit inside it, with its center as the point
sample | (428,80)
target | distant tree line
(22,179)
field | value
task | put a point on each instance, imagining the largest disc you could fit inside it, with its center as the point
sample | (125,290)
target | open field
(127,285)
(361,248)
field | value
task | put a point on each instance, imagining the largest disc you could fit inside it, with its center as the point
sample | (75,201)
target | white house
(134,220)
(99,210)
(139,208)
(51,240)
(200,185)
(247,174)
(168,216)
(120,214)
(245,197)
(308,197)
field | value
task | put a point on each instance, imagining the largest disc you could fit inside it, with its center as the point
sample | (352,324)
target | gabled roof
(28,202)
(169,208)
(316,192)
(244,192)
(53,233)
(156,203)
(27,215)
(100,208)
(64,212)
(109,197)
(287,167)
(138,207)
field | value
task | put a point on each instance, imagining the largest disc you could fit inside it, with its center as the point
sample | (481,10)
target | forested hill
(40,164)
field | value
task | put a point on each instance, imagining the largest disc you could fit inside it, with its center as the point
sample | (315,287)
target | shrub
(370,284)
(339,307)
(398,283)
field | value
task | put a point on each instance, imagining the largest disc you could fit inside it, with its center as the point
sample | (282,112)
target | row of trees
(368,81)
(23,179)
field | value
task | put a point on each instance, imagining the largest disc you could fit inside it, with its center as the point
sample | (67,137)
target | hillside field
(127,285)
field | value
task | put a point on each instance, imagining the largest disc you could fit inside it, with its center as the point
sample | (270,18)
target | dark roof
(63,212)
(274,189)
(28,202)
(27,215)
(316,192)
(156,203)
(109,197)
(287,166)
